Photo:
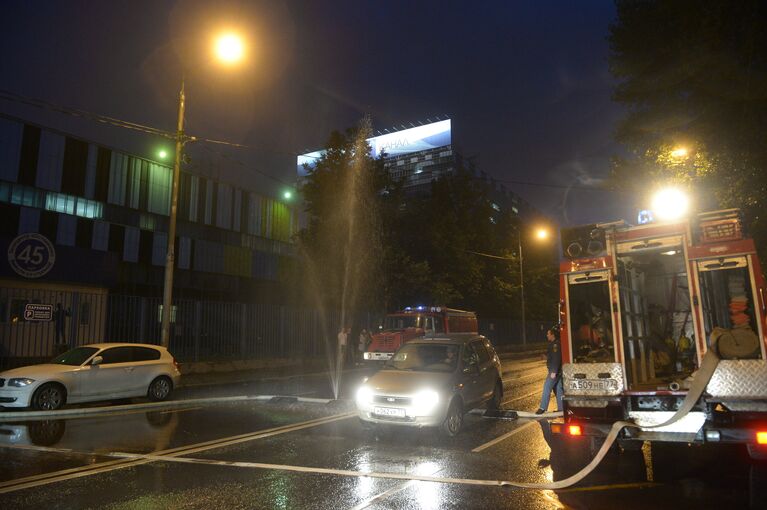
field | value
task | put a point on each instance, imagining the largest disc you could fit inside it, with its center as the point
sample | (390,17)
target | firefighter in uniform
(554,372)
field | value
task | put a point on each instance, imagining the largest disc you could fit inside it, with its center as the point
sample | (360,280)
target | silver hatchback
(432,383)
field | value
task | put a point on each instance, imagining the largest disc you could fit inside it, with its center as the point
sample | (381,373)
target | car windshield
(74,357)
(404,321)
(425,358)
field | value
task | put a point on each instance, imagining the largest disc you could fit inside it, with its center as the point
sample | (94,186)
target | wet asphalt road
(302,455)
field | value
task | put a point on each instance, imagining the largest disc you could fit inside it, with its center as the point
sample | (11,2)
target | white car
(90,373)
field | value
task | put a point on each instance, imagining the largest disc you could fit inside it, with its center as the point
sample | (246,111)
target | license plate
(594,384)
(389,411)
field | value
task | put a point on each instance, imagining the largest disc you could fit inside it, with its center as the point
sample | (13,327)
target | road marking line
(520,398)
(180,410)
(397,488)
(503,437)
(68,474)
(537,374)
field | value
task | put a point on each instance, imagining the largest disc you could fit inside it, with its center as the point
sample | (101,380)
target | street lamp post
(541,233)
(522,287)
(229,49)
(170,256)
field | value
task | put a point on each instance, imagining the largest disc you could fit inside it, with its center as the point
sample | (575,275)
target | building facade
(81,222)
(419,155)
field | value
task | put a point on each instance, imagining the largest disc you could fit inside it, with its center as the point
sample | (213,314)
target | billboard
(419,138)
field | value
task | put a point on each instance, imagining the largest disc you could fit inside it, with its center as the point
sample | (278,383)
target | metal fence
(200,330)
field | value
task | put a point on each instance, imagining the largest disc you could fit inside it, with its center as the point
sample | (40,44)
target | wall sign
(31,255)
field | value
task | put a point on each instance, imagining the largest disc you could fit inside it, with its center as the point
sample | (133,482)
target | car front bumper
(411,417)
(16,397)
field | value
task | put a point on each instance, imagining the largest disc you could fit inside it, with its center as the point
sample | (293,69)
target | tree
(693,74)
(346,195)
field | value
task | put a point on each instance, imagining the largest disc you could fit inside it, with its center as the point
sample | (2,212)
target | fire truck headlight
(364,395)
(670,204)
(425,401)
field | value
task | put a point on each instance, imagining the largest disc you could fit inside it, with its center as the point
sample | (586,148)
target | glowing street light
(680,152)
(541,233)
(287,195)
(670,204)
(162,154)
(230,49)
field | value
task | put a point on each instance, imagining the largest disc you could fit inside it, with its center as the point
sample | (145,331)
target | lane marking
(181,410)
(68,474)
(538,374)
(503,437)
(397,488)
(520,398)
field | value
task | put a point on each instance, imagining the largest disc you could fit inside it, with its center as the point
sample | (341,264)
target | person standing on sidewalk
(554,372)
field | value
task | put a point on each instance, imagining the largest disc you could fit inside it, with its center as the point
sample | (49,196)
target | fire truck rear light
(556,428)
(713,435)
(761,437)
(574,430)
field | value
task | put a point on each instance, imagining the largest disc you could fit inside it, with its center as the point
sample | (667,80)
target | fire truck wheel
(757,453)
(454,419)
(495,401)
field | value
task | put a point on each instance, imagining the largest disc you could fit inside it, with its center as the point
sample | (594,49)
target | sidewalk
(232,372)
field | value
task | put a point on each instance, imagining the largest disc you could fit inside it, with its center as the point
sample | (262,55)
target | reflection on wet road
(293,455)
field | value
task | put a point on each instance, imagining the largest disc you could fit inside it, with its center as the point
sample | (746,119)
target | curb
(7,417)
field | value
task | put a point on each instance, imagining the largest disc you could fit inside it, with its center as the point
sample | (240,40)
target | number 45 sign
(31,255)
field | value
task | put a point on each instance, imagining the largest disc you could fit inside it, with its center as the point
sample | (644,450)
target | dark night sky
(526,83)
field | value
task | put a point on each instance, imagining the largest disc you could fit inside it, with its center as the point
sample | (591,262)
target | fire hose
(698,386)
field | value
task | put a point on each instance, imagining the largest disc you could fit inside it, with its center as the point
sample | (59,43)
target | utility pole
(170,257)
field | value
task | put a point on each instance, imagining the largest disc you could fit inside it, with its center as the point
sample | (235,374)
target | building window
(130,250)
(116,238)
(118,175)
(29,220)
(100,235)
(84,235)
(30,150)
(65,235)
(74,166)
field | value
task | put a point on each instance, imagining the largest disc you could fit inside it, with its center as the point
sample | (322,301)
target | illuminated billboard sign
(419,138)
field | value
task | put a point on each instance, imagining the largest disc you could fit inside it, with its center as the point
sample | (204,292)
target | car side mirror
(96,361)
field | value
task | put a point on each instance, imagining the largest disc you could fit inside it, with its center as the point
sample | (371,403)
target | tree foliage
(693,74)
(403,250)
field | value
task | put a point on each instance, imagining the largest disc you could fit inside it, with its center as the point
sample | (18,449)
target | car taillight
(175,364)
(761,437)
(556,428)
(574,430)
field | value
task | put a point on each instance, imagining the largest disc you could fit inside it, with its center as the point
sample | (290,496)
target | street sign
(38,312)
(31,255)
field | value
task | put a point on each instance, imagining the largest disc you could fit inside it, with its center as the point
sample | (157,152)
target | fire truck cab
(640,306)
(417,322)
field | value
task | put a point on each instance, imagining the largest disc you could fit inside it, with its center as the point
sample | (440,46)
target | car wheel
(47,432)
(159,389)
(495,401)
(454,419)
(49,397)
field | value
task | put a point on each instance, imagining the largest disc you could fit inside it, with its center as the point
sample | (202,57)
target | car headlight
(364,395)
(20,382)
(425,400)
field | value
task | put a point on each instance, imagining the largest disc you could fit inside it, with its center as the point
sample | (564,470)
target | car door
(111,378)
(146,366)
(469,375)
(487,373)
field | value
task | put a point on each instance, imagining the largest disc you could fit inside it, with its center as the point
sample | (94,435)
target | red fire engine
(416,322)
(640,306)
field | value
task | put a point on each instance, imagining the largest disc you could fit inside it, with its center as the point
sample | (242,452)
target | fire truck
(417,322)
(639,308)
